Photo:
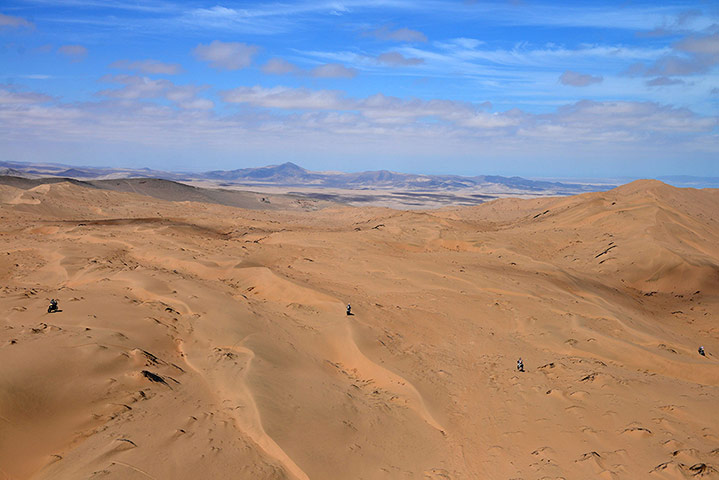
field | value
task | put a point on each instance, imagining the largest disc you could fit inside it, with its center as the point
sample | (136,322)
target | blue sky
(573,89)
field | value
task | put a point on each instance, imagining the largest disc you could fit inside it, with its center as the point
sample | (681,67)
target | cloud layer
(161,116)
(460,79)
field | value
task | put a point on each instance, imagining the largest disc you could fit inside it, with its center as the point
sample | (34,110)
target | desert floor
(199,340)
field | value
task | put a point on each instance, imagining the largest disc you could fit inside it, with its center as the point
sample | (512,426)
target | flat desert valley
(206,341)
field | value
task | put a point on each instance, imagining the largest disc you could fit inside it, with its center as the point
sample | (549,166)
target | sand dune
(199,340)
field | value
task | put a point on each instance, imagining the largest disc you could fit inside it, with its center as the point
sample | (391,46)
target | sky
(521,87)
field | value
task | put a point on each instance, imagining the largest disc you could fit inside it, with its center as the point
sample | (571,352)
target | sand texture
(200,341)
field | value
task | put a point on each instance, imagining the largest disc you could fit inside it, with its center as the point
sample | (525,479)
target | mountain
(287,173)
(291,175)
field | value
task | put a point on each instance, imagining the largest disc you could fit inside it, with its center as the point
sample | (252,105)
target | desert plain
(198,340)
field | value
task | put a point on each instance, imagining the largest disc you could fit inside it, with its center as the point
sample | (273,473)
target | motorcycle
(52,308)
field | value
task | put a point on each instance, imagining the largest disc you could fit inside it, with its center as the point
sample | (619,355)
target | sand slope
(204,341)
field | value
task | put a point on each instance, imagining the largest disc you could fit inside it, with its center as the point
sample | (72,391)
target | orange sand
(203,341)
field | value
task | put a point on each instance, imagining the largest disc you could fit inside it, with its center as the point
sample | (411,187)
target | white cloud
(152,67)
(74,52)
(14,22)
(278,66)
(578,79)
(398,35)
(664,81)
(694,54)
(396,59)
(702,45)
(333,70)
(226,55)
(467,43)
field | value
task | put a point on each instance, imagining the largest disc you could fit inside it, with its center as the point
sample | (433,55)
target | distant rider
(701,352)
(53,306)
(349,309)
(520,365)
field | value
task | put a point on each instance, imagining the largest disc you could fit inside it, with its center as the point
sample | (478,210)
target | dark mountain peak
(277,173)
(288,167)
(291,165)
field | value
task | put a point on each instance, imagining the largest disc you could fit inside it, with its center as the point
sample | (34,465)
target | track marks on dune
(684,462)
(382,384)
(225,370)
(132,467)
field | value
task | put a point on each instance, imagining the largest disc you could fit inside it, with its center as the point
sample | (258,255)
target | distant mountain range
(35,170)
(291,175)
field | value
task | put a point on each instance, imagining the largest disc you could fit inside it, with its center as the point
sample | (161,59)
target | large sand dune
(205,341)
